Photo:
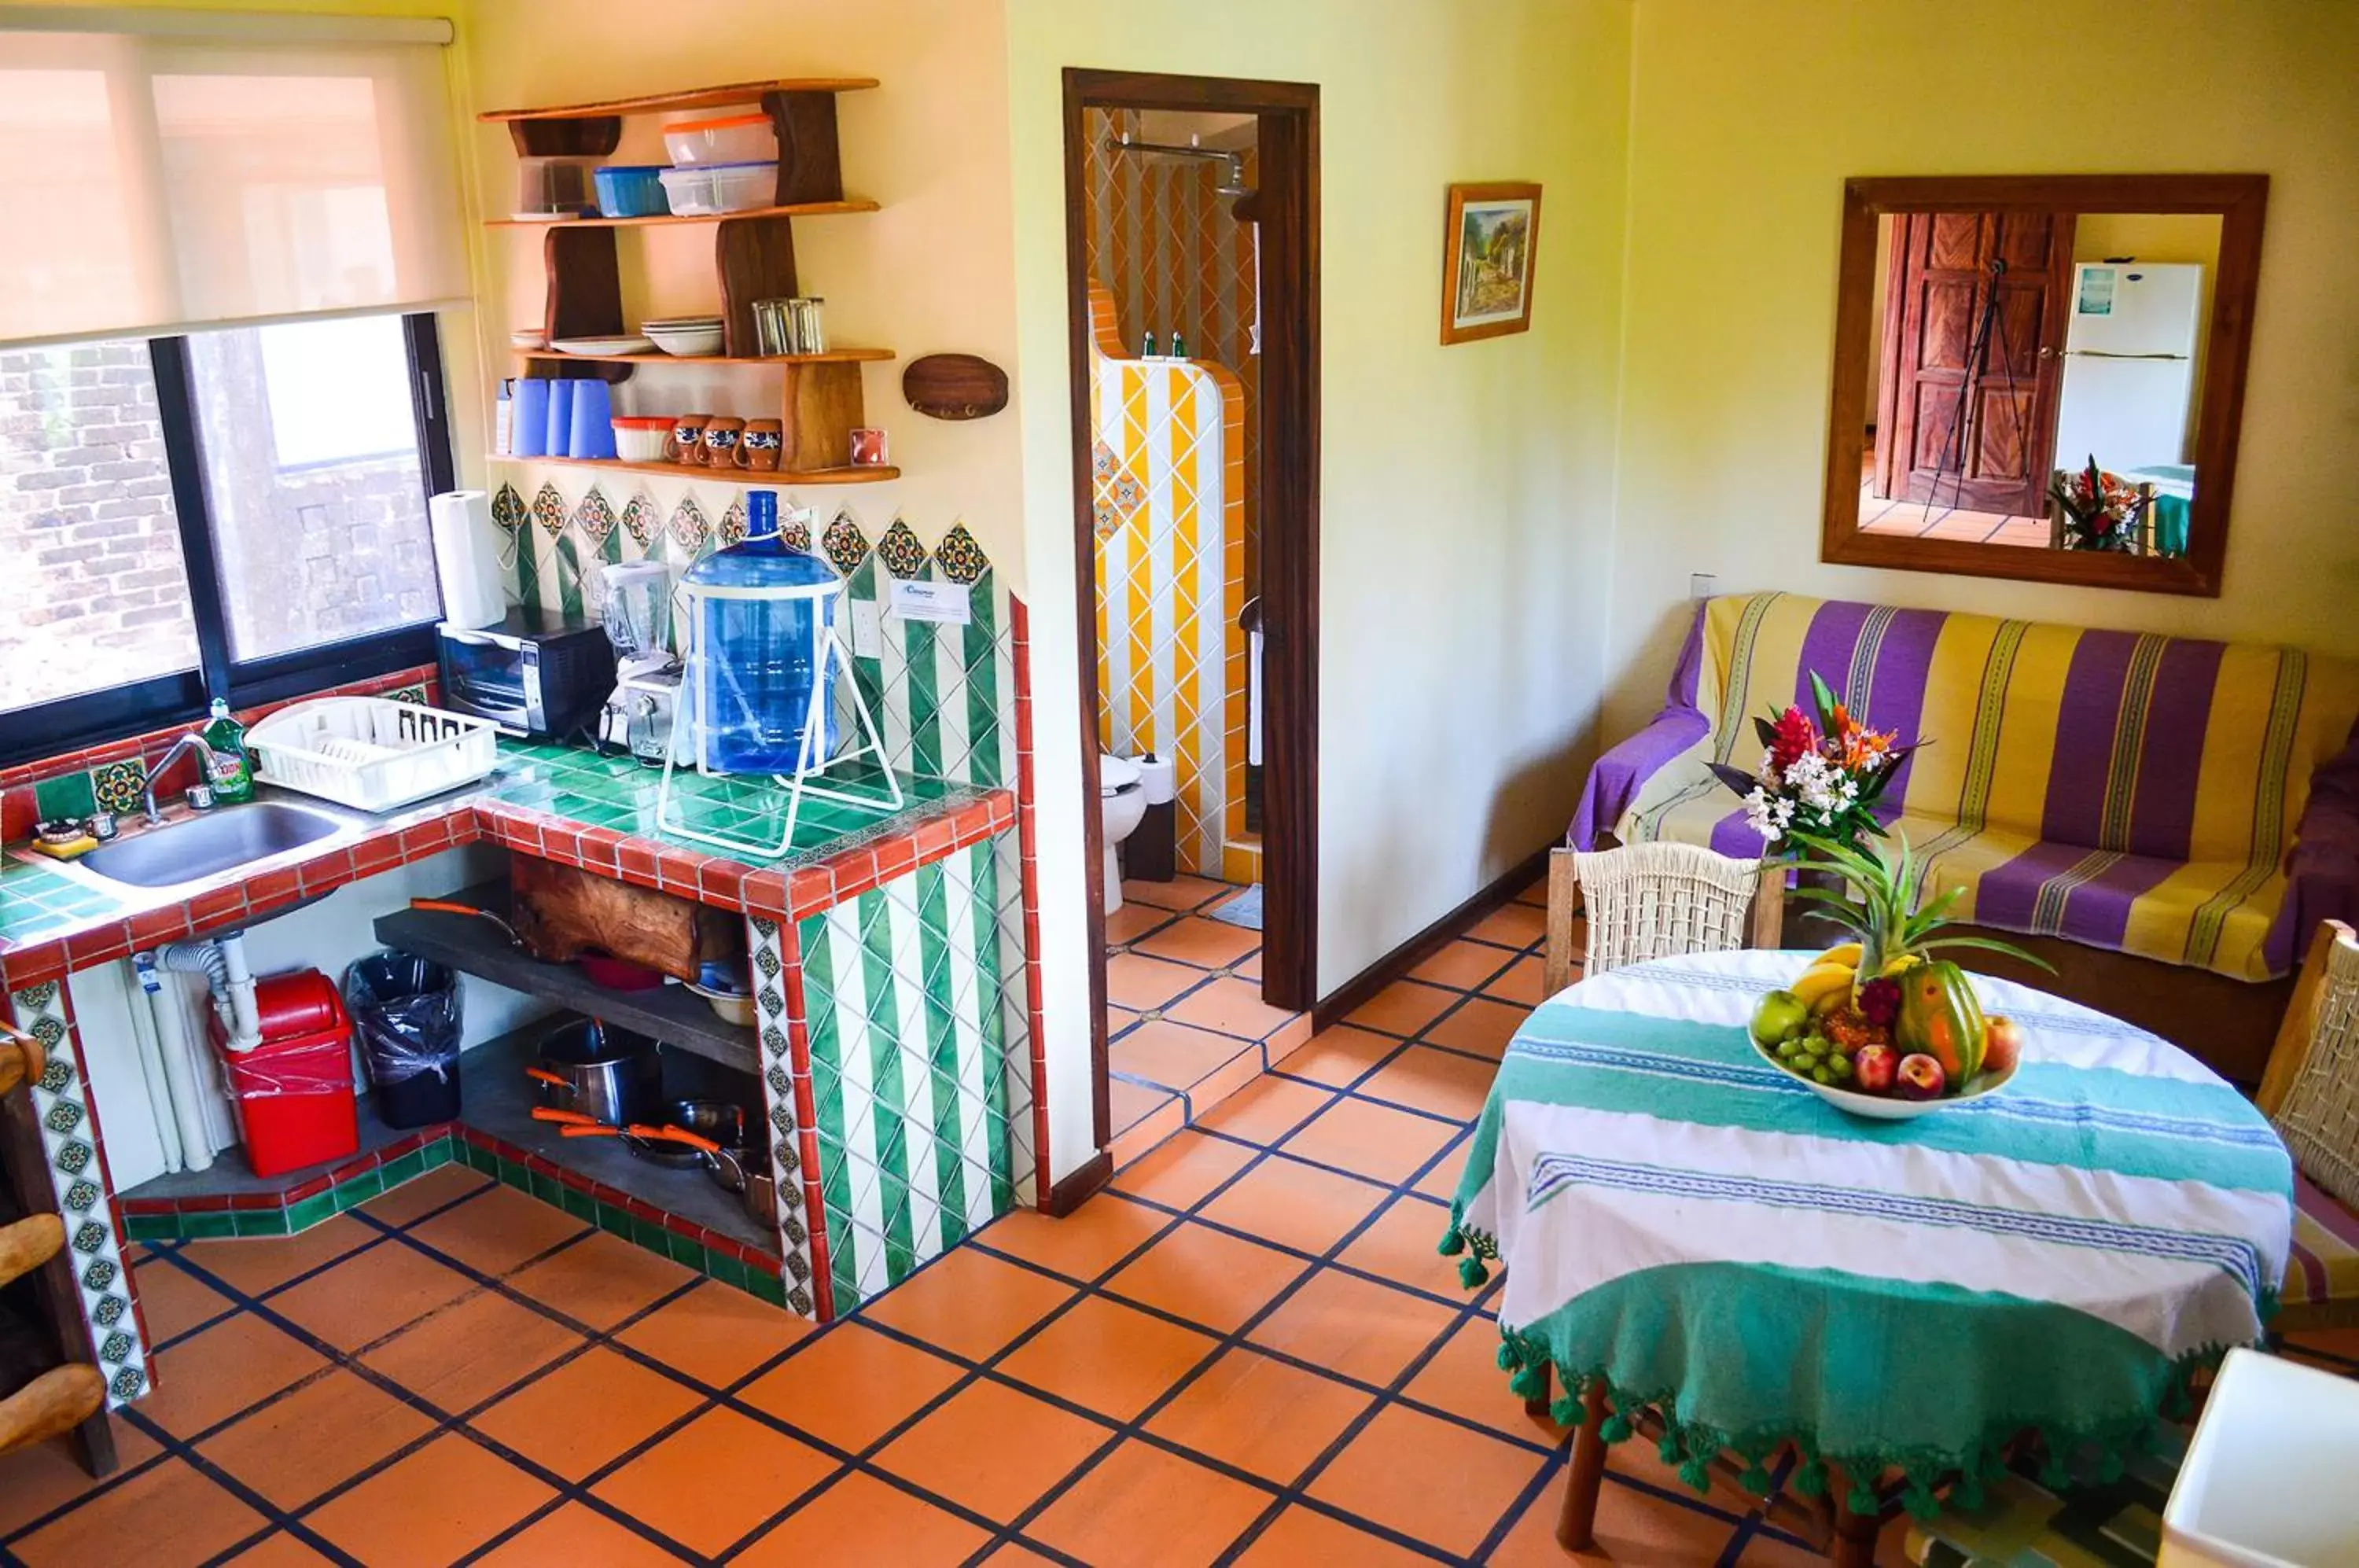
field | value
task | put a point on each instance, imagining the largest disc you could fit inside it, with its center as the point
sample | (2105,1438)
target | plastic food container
(631,191)
(561,184)
(731,138)
(639,438)
(721,187)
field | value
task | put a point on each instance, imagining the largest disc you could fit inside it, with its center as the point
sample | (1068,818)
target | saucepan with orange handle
(608,1075)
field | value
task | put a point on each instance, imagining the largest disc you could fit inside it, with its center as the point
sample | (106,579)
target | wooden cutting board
(954,386)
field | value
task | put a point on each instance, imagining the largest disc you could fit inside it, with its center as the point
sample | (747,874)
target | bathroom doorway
(1191,244)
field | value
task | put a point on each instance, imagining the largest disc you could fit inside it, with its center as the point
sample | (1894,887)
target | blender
(636,609)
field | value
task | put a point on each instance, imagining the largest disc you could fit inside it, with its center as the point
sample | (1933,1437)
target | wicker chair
(2311,1093)
(1656,901)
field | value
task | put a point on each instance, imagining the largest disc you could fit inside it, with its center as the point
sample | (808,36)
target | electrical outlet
(867,629)
(1702,584)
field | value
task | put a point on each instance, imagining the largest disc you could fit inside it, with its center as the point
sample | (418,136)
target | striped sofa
(2192,802)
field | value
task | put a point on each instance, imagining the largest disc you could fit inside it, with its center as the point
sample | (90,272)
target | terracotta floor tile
(1248,968)
(1440,1179)
(370,1295)
(1480,1028)
(715,1333)
(968,1302)
(165,1517)
(1338,1057)
(1294,1204)
(1144,1507)
(1305,1538)
(174,1301)
(577,1534)
(579,1417)
(330,1429)
(1431,1480)
(1207,1276)
(715,1480)
(1402,1007)
(1534,892)
(1139,984)
(1084,1243)
(1148,1131)
(1133,921)
(280,1549)
(37,1481)
(1182,892)
(1516,925)
(1173,1055)
(1232,1007)
(1266,1111)
(476,1348)
(1522,986)
(851,1386)
(1179,1173)
(423,1195)
(1464,1378)
(861,1520)
(1015,1554)
(1633,1530)
(601,1281)
(211,1376)
(1118,1020)
(1376,1141)
(1352,1327)
(1434,1080)
(993,1449)
(1129,1103)
(1400,1247)
(1111,1358)
(256,1264)
(1261,1414)
(1208,944)
(431,1508)
(1463,965)
(498,1230)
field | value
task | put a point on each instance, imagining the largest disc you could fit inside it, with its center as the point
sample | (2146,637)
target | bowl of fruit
(1880,1026)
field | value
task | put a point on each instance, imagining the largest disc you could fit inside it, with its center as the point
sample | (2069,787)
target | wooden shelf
(725,97)
(799,210)
(833,357)
(845,475)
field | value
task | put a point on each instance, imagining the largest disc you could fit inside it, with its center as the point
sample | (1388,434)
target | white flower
(1814,783)
(1766,816)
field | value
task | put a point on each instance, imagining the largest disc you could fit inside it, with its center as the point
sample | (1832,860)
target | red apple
(1872,1068)
(2002,1046)
(1920,1077)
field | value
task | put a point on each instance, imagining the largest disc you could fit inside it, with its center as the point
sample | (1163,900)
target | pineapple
(1893,931)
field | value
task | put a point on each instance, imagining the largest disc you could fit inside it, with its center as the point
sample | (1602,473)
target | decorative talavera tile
(641,520)
(961,558)
(69,1141)
(594,519)
(733,522)
(795,531)
(548,509)
(508,509)
(687,524)
(903,556)
(412,694)
(766,939)
(944,694)
(844,543)
(118,785)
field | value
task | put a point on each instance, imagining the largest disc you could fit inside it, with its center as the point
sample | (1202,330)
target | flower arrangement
(1821,774)
(2100,509)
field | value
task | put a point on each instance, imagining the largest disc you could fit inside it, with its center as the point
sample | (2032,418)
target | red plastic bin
(294,1091)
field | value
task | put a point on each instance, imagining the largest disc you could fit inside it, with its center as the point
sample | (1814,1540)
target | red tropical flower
(1795,734)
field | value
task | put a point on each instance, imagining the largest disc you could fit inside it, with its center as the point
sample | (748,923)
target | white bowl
(689,342)
(1892,1108)
(529,339)
(602,348)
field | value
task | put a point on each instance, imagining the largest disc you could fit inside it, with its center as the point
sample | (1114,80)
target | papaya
(1940,1016)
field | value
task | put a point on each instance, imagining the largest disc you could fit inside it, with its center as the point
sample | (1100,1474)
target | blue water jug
(762,612)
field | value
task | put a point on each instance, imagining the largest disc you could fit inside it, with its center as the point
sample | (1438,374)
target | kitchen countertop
(564,803)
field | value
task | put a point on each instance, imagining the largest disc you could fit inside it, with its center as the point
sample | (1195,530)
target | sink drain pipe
(223,962)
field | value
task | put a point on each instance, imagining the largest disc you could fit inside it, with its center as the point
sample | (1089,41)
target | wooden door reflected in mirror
(2041,377)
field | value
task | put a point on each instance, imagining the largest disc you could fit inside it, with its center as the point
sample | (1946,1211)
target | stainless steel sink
(221,840)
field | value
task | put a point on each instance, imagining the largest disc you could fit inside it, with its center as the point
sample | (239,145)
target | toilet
(1121,805)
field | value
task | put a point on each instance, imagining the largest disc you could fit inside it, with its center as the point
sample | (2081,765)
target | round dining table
(1698,1246)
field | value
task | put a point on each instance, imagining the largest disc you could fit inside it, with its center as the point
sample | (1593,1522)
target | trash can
(405,1011)
(294,1090)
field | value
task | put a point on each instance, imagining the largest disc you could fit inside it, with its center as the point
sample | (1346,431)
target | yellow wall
(1746,117)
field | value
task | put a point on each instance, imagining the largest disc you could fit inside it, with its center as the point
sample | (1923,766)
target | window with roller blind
(222,409)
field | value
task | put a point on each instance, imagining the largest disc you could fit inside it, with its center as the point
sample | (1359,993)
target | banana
(1902,964)
(1846,953)
(1823,980)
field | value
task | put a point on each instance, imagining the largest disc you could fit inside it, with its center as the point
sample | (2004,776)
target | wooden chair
(1656,901)
(62,1398)
(2310,1092)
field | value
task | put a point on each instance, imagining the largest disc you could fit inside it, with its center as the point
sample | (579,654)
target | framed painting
(1489,246)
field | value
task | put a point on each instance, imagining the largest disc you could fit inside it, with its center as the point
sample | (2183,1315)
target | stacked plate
(688,336)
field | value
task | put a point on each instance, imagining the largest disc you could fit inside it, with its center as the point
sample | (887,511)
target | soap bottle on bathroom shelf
(1146,347)
(233,776)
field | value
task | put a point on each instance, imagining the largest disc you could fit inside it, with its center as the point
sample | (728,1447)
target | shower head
(1234,183)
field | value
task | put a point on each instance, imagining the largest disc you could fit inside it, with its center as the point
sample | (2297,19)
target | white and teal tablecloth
(1696,1229)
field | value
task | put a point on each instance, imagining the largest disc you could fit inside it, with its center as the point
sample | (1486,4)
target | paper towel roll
(466,558)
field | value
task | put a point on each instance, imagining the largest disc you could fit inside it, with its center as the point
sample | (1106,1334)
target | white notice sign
(948,602)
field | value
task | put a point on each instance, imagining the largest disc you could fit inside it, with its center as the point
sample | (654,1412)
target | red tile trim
(790,953)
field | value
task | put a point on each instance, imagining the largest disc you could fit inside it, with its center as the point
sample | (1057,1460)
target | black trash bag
(407,1011)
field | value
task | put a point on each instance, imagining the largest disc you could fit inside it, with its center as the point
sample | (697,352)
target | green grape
(1841,1066)
(1823,1074)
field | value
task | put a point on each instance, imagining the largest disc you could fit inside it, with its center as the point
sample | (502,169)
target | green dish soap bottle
(232,782)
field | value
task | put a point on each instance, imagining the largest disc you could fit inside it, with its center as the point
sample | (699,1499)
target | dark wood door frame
(1287,211)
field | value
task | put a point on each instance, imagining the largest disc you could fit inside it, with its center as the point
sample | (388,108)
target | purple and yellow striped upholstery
(2140,793)
(2322,1282)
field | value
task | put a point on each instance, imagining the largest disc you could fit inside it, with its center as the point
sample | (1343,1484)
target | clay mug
(763,440)
(721,434)
(688,438)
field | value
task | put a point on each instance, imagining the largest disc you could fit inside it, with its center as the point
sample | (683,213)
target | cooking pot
(613,1074)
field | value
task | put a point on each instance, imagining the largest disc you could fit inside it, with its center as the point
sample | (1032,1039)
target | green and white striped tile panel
(915,1081)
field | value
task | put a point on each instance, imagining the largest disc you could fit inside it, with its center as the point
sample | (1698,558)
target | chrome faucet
(207,760)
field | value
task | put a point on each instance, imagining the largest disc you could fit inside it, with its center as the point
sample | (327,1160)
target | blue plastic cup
(560,437)
(593,420)
(528,421)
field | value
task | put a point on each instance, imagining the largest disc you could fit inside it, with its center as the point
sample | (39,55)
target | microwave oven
(540,674)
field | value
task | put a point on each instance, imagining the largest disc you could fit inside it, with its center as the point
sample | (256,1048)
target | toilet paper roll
(1159,779)
(466,557)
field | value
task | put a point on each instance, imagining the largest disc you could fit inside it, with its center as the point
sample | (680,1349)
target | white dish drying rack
(372,753)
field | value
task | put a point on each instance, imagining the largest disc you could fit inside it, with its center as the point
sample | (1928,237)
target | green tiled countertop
(38,901)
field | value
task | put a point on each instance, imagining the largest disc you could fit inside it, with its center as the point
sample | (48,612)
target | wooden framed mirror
(1999,337)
